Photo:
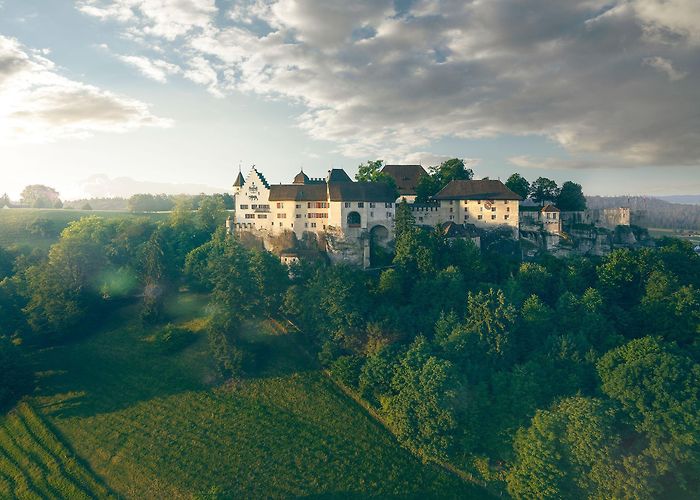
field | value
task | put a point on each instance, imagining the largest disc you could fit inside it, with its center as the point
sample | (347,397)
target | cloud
(37,104)
(155,69)
(374,79)
(163,18)
(665,66)
(428,159)
(554,163)
(669,19)
(200,71)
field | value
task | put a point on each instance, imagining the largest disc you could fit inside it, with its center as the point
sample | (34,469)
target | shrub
(347,370)
(171,339)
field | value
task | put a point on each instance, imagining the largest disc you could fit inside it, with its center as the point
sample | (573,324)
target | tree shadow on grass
(115,368)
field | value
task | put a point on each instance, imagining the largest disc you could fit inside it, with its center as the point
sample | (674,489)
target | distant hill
(687,199)
(652,212)
(98,203)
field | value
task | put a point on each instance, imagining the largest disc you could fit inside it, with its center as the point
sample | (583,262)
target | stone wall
(602,217)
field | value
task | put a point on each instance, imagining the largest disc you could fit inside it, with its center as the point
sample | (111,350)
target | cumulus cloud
(155,69)
(37,104)
(665,66)
(165,18)
(376,79)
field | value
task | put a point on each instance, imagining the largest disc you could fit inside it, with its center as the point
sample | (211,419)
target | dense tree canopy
(438,177)
(570,197)
(555,377)
(519,185)
(39,196)
(543,190)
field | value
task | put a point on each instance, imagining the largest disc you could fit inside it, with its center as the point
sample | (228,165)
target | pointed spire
(239,178)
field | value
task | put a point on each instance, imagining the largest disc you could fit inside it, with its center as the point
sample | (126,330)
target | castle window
(250,216)
(493,209)
(298,216)
(347,204)
(306,224)
(282,216)
(466,216)
(505,202)
(298,205)
(253,207)
(420,219)
(354,219)
(493,217)
(506,217)
(360,204)
(244,207)
(452,217)
(479,217)
(388,205)
(388,215)
(508,209)
(313,224)
(371,205)
(451,210)
(280,224)
(308,205)
(450,202)
(371,214)
(262,216)
(280,205)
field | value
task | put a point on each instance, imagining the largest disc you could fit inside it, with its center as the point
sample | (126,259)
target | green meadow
(35,464)
(149,424)
(40,228)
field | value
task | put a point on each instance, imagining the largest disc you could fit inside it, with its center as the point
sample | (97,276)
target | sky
(112,97)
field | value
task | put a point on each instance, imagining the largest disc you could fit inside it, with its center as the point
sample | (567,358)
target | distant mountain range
(688,199)
(654,212)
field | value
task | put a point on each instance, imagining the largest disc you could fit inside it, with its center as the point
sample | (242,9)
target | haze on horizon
(108,96)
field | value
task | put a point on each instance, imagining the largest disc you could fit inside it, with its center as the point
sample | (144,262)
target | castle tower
(238,184)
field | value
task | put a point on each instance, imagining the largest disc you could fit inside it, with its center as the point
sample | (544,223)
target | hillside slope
(35,464)
(158,424)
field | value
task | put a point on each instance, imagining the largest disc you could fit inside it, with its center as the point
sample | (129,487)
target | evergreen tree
(544,190)
(570,197)
(519,185)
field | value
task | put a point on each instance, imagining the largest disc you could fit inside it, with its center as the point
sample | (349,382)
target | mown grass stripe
(29,461)
(59,477)
(69,465)
(24,486)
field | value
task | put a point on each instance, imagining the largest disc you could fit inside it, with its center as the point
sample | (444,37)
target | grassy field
(154,425)
(686,234)
(14,224)
(35,464)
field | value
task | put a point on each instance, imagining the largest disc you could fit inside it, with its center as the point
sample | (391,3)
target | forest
(555,378)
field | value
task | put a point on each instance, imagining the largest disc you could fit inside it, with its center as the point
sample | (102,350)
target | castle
(350,220)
